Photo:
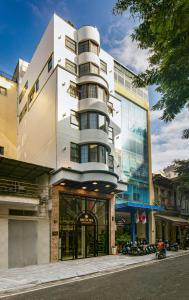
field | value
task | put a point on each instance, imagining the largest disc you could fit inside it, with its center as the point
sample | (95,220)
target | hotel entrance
(83,226)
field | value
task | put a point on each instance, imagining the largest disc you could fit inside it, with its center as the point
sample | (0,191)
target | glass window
(94,69)
(102,122)
(92,91)
(93,153)
(70,44)
(23,91)
(102,154)
(37,85)
(83,91)
(83,47)
(73,89)
(50,64)
(70,66)
(74,152)
(111,163)
(110,134)
(101,93)
(94,47)
(84,154)
(103,66)
(84,123)
(74,119)
(23,112)
(1,150)
(31,95)
(3,91)
(84,69)
(93,121)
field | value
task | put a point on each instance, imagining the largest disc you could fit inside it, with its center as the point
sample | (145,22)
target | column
(55,225)
(147,227)
(133,225)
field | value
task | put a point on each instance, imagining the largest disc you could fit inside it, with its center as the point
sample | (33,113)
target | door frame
(95,231)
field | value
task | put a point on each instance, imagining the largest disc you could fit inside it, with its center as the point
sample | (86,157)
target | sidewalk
(31,276)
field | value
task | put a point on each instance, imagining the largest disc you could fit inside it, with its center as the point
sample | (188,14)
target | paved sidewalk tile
(18,278)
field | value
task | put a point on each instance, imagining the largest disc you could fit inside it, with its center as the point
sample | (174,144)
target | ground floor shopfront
(83,224)
(171,228)
(135,222)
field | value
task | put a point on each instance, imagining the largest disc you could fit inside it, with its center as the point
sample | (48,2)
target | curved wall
(89,33)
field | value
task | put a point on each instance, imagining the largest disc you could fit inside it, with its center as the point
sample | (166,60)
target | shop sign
(86,219)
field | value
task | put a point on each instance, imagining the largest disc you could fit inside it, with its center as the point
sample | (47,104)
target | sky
(22,23)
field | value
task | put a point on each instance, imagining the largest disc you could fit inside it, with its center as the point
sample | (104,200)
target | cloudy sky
(22,22)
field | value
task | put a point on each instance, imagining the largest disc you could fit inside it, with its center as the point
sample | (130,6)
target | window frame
(89,72)
(69,62)
(49,64)
(111,163)
(82,42)
(23,112)
(31,94)
(2,150)
(72,158)
(89,154)
(3,91)
(74,114)
(71,41)
(73,89)
(89,44)
(97,86)
(111,138)
(21,96)
(37,85)
(102,65)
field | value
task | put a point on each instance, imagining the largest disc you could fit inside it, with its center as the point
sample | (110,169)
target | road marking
(85,277)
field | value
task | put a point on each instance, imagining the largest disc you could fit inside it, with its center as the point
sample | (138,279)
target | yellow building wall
(8,117)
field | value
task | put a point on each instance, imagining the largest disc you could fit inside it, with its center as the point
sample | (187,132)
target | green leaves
(164,29)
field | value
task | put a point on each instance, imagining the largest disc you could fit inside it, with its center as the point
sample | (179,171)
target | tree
(164,30)
(181,168)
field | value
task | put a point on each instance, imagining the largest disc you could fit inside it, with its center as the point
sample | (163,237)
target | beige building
(8,116)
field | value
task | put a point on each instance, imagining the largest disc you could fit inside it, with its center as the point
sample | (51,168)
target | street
(167,279)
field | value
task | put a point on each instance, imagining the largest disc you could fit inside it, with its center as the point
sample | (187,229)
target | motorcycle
(161,254)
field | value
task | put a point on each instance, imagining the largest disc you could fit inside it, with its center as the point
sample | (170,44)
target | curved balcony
(97,136)
(88,57)
(88,33)
(93,104)
(93,78)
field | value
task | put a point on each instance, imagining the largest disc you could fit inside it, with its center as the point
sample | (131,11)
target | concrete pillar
(55,225)
(43,241)
(133,226)
(152,230)
(3,243)
(112,224)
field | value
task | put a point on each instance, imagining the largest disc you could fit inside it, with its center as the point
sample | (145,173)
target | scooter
(160,254)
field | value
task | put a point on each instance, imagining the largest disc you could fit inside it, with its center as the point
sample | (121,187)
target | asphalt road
(167,279)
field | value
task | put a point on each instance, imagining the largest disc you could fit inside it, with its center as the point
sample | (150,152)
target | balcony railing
(23,189)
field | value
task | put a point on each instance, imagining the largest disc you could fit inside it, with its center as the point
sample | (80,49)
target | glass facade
(79,238)
(123,77)
(134,151)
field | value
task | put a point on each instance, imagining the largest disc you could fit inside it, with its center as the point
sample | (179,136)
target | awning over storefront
(176,220)
(138,205)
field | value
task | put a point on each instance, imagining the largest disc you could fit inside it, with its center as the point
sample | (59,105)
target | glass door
(85,242)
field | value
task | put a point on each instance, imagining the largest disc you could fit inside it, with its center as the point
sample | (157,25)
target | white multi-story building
(80,115)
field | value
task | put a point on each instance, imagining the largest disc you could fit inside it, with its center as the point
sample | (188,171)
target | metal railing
(23,189)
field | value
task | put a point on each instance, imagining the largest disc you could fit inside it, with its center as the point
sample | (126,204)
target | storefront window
(77,240)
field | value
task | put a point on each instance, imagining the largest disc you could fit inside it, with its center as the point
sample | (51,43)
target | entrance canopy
(176,220)
(127,204)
